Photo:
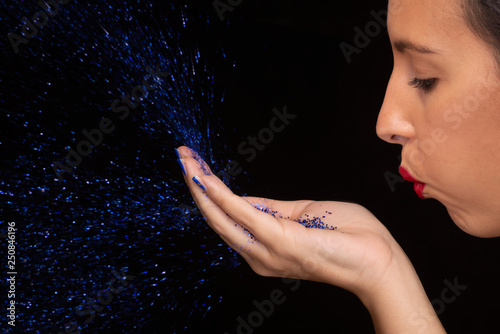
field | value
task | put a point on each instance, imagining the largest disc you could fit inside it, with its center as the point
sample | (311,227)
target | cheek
(460,141)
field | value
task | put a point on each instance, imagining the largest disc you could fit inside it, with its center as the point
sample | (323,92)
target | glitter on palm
(306,220)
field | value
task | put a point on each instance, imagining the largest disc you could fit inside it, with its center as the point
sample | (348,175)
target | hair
(483,17)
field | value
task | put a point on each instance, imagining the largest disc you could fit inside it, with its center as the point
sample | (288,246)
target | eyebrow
(404,45)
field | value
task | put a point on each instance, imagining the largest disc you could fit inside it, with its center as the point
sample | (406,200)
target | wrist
(398,302)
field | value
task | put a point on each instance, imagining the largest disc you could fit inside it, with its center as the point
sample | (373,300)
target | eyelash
(424,84)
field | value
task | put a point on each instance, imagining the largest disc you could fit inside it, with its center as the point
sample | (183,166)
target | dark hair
(483,17)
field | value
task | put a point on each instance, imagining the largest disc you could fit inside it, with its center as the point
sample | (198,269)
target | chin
(477,226)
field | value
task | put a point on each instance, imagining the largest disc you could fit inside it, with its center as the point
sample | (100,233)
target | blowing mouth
(418,186)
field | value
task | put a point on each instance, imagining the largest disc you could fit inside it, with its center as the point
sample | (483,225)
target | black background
(287,54)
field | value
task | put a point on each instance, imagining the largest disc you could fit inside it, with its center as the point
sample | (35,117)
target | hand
(357,256)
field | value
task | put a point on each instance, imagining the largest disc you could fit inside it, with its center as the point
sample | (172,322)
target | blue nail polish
(196,180)
(180,162)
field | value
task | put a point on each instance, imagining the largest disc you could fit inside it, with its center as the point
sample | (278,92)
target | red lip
(418,186)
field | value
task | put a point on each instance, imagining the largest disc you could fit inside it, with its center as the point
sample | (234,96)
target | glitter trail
(108,237)
(92,105)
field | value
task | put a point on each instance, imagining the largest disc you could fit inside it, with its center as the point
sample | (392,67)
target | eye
(424,84)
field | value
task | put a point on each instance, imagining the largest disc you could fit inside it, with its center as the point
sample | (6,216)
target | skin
(360,256)
(451,134)
(451,150)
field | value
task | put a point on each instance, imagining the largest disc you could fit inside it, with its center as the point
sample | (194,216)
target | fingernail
(180,161)
(201,162)
(198,181)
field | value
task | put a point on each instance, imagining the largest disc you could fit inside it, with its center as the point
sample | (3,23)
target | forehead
(426,21)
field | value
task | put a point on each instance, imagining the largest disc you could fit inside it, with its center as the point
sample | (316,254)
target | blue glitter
(306,220)
(120,206)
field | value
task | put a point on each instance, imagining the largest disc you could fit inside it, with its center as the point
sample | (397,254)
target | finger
(263,226)
(231,232)
(246,251)
(235,235)
(185,152)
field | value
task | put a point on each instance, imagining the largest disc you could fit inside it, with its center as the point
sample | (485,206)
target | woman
(441,105)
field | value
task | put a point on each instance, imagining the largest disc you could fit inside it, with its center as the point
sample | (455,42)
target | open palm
(357,255)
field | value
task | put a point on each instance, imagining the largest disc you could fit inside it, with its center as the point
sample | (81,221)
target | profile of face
(442,105)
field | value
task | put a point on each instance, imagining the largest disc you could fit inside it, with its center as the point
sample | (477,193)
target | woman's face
(443,106)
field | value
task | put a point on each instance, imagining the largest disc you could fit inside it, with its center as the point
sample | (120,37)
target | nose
(394,123)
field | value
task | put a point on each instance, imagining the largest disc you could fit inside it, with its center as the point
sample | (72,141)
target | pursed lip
(418,186)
